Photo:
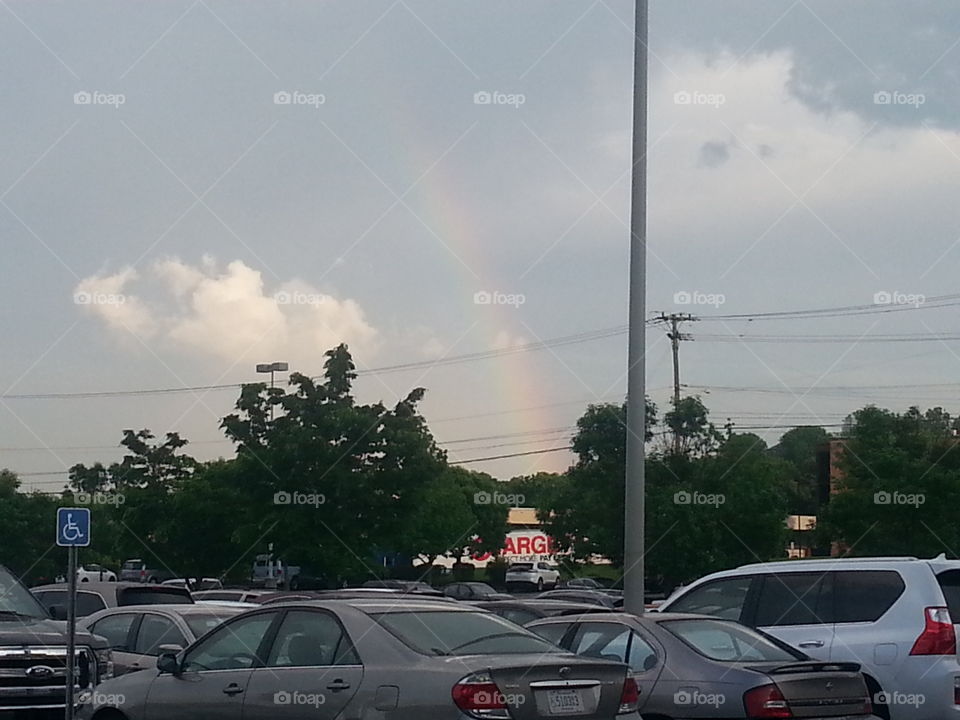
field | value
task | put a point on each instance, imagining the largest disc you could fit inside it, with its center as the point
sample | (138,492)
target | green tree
(799,447)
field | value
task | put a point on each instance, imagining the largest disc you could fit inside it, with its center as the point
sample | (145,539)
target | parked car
(402,659)
(195,583)
(232,595)
(136,633)
(696,666)
(95,596)
(137,570)
(532,575)
(590,597)
(894,616)
(471,591)
(407,586)
(34,655)
(92,571)
(586,583)
(522,610)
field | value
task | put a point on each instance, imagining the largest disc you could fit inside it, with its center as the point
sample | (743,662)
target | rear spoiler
(816,667)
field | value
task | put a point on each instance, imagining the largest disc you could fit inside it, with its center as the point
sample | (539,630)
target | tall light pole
(272,368)
(633,536)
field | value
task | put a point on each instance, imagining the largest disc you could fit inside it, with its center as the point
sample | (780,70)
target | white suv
(894,616)
(540,575)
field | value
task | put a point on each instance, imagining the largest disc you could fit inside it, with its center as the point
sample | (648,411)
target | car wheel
(85,579)
(294,584)
(540,585)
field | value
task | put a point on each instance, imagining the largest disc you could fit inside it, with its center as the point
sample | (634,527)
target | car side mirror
(58,612)
(168,661)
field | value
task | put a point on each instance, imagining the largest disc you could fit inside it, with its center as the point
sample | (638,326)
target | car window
(232,646)
(520,566)
(88,603)
(205,595)
(721,598)
(170,595)
(613,641)
(552,632)
(865,595)
(950,585)
(793,599)
(310,639)
(202,623)
(156,630)
(518,615)
(728,641)
(460,633)
(115,628)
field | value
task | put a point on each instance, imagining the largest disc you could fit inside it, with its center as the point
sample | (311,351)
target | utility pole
(635,490)
(676,337)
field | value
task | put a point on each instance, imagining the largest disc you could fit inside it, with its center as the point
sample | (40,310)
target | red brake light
(478,696)
(938,636)
(630,696)
(766,701)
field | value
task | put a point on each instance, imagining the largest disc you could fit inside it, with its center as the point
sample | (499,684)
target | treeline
(348,490)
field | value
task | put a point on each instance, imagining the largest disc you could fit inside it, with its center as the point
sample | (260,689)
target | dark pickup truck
(33,657)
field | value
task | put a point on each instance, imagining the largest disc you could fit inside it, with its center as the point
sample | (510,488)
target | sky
(188,189)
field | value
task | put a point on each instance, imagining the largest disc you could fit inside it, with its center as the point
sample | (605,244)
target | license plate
(564,702)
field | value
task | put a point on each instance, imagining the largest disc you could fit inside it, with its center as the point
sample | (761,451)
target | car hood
(42,631)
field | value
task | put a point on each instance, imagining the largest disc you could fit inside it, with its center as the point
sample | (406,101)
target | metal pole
(633,580)
(271,396)
(71,629)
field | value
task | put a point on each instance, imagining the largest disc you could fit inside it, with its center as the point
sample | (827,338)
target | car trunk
(819,689)
(564,687)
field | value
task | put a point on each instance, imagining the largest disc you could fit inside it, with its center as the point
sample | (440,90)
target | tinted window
(552,632)
(793,599)
(115,628)
(460,633)
(727,641)
(232,646)
(517,615)
(156,630)
(310,639)
(87,603)
(207,595)
(169,596)
(720,598)
(520,566)
(950,584)
(864,596)
(613,641)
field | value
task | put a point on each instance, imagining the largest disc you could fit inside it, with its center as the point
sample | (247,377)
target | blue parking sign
(73,527)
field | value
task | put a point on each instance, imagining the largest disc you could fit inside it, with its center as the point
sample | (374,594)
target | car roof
(99,586)
(399,604)
(178,609)
(626,618)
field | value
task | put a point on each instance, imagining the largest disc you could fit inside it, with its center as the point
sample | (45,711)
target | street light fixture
(272,368)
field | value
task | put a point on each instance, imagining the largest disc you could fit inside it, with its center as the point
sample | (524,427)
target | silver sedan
(367,660)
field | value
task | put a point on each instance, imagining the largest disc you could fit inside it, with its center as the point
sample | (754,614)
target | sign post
(73,531)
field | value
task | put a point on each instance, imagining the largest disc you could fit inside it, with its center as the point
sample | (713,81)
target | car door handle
(338,684)
(232,689)
(812,643)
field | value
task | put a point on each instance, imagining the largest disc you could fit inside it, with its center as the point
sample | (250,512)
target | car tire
(85,579)
(539,584)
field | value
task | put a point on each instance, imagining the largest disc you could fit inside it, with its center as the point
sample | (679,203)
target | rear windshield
(520,566)
(461,633)
(132,564)
(950,584)
(170,596)
(728,642)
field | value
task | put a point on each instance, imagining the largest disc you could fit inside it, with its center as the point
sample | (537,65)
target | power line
(512,455)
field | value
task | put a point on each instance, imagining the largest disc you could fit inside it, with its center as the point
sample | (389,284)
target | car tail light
(766,701)
(143,575)
(938,636)
(630,696)
(478,696)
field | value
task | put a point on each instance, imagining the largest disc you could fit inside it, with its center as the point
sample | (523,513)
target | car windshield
(461,633)
(728,642)
(202,623)
(15,599)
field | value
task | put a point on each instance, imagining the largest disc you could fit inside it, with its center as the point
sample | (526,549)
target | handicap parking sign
(73,527)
